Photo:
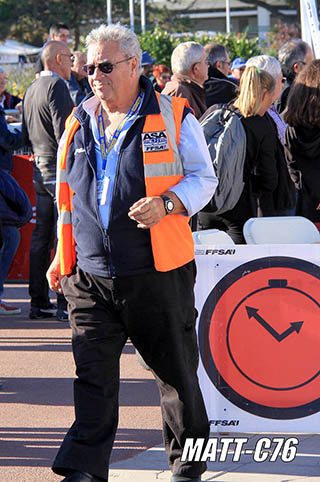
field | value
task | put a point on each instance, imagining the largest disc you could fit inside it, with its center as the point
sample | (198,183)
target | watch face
(169,206)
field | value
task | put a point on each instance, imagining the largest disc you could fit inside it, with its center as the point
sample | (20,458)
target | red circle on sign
(263,338)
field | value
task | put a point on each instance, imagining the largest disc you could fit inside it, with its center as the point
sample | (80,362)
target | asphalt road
(37,371)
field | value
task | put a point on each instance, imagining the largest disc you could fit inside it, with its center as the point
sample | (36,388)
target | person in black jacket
(9,233)
(46,106)
(284,196)
(260,174)
(302,141)
(78,84)
(219,89)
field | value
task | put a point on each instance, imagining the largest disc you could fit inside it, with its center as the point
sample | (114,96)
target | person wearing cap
(237,69)
(147,64)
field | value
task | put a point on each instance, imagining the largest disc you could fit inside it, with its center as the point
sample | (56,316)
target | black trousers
(156,310)
(232,227)
(42,241)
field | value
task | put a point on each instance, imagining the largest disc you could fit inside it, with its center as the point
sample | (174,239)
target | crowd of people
(119,171)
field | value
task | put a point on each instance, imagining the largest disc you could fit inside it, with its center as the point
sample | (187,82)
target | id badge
(102,190)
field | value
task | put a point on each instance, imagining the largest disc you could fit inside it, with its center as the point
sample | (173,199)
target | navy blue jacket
(78,89)
(15,207)
(8,142)
(123,249)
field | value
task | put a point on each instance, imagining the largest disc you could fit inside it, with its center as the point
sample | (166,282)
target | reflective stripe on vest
(171,238)
(64,200)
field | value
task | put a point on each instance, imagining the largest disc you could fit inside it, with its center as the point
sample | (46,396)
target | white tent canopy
(10,50)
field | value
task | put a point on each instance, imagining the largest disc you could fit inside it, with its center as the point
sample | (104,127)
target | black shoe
(184,478)
(81,477)
(62,315)
(38,312)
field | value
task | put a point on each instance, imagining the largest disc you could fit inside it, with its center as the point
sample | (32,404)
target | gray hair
(185,55)
(216,52)
(267,63)
(293,51)
(126,38)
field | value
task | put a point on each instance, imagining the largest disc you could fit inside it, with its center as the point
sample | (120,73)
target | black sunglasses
(105,67)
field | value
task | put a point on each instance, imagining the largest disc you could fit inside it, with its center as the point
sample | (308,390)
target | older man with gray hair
(134,166)
(219,89)
(190,71)
(293,55)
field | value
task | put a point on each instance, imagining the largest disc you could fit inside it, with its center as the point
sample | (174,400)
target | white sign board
(310,25)
(259,336)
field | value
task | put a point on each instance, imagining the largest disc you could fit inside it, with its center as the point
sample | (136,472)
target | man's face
(278,87)
(237,73)
(114,87)
(66,63)
(3,82)
(147,70)
(79,61)
(298,66)
(62,35)
(202,69)
(309,56)
(224,65)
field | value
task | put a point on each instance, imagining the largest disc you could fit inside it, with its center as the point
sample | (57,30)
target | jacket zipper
(106,231)
(106,237)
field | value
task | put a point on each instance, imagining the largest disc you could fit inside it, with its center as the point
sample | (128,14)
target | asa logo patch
(155,141)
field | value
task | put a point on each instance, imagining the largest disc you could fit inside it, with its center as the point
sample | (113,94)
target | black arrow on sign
(295,326)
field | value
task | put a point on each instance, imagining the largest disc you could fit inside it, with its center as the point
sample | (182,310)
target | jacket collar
(215,73)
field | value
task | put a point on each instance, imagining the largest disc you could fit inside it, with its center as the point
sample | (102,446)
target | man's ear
(195,68)
(296,67)
(58,58)
(219,65)
(134,64)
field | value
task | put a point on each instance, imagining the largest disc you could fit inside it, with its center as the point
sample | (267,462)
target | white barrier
(259,336)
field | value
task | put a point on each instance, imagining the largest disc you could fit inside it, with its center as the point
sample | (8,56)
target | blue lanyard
(106,148)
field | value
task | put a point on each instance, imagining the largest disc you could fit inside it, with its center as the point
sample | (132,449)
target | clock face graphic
(259,337)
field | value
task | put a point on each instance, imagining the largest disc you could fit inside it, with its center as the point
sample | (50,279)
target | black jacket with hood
(302,150)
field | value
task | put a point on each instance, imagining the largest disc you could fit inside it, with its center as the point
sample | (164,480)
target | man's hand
(147,212)
(54,274)
(11,118)
(318,207)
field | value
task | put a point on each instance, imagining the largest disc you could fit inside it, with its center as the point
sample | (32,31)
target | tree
(29,20)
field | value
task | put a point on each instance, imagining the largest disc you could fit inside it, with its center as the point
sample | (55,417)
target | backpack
(226,140)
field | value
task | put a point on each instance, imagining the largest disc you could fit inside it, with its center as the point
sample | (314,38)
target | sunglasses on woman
(105,67)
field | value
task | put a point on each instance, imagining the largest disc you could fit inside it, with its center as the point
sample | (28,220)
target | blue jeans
(11,241)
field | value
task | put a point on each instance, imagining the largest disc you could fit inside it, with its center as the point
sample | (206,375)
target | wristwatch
(168,204)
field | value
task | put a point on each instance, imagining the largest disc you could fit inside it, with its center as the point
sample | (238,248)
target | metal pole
(143,16)
(228,16)
(109,12)
(131,11)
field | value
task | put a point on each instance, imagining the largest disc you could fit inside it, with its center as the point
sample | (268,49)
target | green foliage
(239,45)
(160,44)
(19,78)
(279,34)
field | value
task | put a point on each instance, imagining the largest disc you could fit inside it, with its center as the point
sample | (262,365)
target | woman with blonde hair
(260,174)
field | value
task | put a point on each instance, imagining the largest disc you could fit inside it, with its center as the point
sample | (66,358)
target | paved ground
(36,409)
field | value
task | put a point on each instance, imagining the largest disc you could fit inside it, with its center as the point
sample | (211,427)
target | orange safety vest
(171,239)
